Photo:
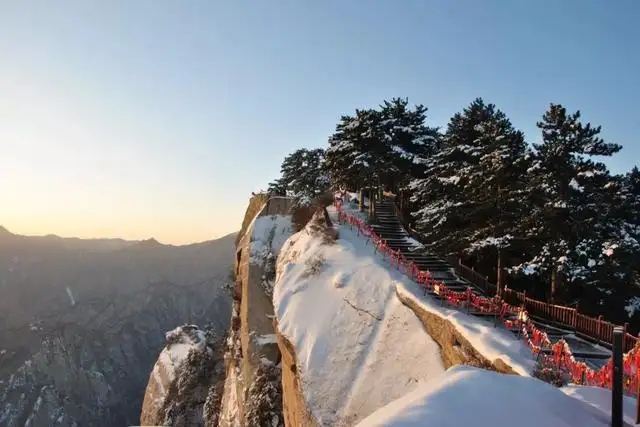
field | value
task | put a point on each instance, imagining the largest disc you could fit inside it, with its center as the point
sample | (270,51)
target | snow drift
(466,395)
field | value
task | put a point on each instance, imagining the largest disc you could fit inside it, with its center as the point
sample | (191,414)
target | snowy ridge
(358,347)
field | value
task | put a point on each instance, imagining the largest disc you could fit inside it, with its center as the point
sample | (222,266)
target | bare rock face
(185,379)
(455,349)
(252,393)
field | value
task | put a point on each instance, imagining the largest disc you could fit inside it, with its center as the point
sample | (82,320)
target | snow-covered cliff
(184,385)
(252,389)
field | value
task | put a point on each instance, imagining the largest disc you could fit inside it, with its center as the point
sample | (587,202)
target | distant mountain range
(82,321)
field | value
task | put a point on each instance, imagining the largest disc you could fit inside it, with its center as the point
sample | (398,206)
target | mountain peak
(150,242)
(5,232)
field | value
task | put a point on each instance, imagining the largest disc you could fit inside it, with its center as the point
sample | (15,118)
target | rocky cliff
(184,387)
(234,380)
(82,322)
(252,389)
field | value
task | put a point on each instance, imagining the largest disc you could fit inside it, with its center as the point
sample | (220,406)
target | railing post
(575,318)
(600,328)
(624,338)
(616,390)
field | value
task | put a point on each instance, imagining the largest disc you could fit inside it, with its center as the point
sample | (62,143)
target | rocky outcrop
(252,389)
(187,377)
(455,348)
(294,407)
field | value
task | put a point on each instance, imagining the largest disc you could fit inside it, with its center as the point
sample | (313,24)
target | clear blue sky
(158,118)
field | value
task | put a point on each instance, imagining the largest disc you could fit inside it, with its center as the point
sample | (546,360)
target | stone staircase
(388,226)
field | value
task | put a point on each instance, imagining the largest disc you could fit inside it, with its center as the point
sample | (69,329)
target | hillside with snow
(362,357)
(357,345)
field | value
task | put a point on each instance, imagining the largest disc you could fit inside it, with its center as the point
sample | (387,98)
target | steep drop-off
(83,322)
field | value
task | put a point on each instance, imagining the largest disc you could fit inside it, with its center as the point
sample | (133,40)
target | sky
(158,118)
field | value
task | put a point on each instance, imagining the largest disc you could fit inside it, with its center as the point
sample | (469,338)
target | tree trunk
(374,197)
(499,273)
(361,201)
(554,284)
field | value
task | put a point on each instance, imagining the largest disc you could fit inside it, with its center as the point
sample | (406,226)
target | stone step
(427,265)
(394,240)
(420,257)
(432,268)
(398,242)
(388,227)
(425,259)
(423,255)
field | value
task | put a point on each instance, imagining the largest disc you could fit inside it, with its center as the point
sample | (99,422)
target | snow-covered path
(358,347)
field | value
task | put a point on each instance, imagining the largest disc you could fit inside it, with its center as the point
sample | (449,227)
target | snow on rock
(357,346)
(490,341)
(600,398)
(169,366)
(179,342)
(269,234)
(469,396)
(230,408)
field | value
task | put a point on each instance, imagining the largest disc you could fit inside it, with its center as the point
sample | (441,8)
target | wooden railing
(474,277)
(596,328)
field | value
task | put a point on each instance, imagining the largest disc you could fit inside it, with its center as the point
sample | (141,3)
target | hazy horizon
(3,227)
(158,119)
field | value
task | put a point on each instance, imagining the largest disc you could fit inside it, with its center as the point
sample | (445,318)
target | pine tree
(302,175)
(277,188)
(356,152)
(380,146)
(569,221)
(469,197)
(408,140)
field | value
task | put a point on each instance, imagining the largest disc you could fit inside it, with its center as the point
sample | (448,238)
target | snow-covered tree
(408,140)
(570,220)
(470,195)
(302,175)
(277,188)
(355,150)
(380,146)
